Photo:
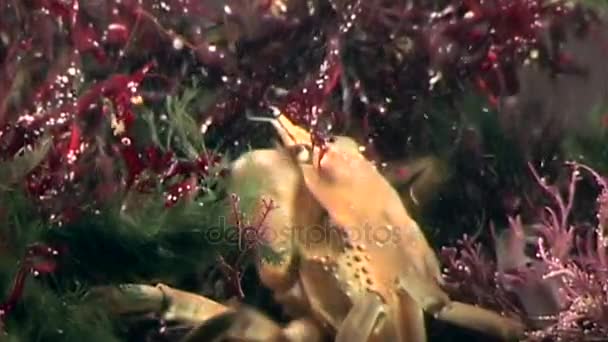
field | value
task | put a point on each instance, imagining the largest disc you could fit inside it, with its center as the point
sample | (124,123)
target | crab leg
(462,314)
(172,304)
(303,330)
(247,324)
(412,316)
(486,321)
(213,321)
(364,317)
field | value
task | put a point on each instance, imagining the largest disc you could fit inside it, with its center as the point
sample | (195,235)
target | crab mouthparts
(291,134)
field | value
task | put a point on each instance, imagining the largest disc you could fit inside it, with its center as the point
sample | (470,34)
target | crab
(354,265)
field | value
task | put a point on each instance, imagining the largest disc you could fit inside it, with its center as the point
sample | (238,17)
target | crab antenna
(275,112)
(275,121)
(261,119)
(289,133)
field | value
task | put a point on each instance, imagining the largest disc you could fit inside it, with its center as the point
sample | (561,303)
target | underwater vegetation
(551,272)
(118,119)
